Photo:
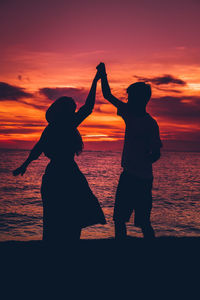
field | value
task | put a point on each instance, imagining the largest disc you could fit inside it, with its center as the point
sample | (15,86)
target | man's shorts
(133,194)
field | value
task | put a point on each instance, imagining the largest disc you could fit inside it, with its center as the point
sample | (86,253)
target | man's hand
(21,170)
(106,88)
(102,69)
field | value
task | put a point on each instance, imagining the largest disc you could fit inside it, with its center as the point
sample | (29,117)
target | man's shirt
(141,138)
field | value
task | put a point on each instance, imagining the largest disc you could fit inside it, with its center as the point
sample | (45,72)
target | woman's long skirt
(68,203)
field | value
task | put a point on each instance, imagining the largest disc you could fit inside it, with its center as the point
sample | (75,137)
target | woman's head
(62,109)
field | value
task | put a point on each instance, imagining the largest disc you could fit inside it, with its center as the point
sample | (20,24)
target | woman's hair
(62,112)
(78,142)
(62,109)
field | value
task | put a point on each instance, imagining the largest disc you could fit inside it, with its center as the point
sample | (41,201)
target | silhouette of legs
(148,232)
(120,230)
(133,194)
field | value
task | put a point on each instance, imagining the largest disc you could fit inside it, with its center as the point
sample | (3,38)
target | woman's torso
(61,143)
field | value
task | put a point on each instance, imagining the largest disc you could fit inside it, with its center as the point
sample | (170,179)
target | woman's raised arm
(87,108)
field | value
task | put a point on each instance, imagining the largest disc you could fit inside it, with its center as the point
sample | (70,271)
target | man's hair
(140,90)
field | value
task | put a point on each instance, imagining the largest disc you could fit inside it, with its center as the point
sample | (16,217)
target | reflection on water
(176,194)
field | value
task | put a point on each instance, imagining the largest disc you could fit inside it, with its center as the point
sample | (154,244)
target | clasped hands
(101,71)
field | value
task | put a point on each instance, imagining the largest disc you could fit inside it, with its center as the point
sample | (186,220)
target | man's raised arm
(106,88)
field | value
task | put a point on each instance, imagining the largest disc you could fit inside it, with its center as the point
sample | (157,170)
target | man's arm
(155,155)
(106,88)
(155,143)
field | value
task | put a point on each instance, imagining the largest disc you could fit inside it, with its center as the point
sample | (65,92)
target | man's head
(139,94)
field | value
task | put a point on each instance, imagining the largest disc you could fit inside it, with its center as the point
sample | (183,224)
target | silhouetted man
(141,148)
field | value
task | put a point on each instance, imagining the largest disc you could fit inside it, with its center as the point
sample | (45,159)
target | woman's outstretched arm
(34,154)
(87,108)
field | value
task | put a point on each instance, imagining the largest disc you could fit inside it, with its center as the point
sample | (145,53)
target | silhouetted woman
(68,202)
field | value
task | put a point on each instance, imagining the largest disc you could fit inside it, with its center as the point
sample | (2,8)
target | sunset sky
(51,48)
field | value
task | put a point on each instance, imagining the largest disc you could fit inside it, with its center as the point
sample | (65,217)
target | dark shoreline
(171,256)
(102,268)
(132,244)
(168,252)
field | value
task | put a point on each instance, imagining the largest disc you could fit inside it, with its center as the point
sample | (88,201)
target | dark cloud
(78,94)
(168,90)
(183,108)
(164,79)
(178,118)
(13,93)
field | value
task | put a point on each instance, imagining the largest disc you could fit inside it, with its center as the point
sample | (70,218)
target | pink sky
(51,48)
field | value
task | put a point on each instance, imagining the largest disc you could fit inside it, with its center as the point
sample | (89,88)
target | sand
(166,268)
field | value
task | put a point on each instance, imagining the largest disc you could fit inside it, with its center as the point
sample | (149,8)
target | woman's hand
(97,76)
(21,170)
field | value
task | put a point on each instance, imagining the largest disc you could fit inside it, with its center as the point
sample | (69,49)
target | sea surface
(176,194)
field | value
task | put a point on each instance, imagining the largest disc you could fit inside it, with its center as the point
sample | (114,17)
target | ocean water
(176,194)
